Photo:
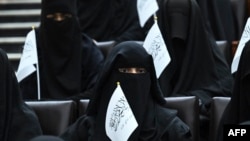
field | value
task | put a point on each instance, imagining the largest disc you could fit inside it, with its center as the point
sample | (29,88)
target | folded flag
(145,9)
(120,121)
(28,58)
(155,45)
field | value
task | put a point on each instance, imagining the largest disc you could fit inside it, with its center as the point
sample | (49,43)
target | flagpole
(37,73)
(155,18)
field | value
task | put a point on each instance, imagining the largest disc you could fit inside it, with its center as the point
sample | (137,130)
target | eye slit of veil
(132,70)
(58,16)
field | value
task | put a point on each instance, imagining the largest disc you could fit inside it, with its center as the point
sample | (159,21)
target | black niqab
(69,61)
(61,50)
(197,66)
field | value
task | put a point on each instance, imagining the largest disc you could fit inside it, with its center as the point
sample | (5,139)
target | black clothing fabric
(105,20)
(69,61)
(155,121)
(220,20)
(197,65)
(18,122)
(237,110)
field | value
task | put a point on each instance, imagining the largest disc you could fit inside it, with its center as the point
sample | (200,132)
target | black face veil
(141,90)
(61,48)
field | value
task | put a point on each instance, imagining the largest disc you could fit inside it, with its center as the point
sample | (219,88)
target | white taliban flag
(120,121)
(244,38)
(28,58)
(145,9)
(155,45)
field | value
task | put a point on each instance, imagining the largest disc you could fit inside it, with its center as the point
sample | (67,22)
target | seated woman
(130,65)
(18,122)
(197,67)
(69,61)
(237,110)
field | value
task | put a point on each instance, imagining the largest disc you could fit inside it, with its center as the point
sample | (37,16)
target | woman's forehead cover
(59,6)
(130,54)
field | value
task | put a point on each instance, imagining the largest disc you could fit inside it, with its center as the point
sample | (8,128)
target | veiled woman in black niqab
(197,65)
(18,122)
(237,110)
(155,122)
(68,60)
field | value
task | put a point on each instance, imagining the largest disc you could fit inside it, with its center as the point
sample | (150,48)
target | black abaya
(197,65)
(18,122)
(69,61)
(105,20)
(237,110)
(155,121)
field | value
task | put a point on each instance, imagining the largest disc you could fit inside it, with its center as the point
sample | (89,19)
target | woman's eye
(132,70)
(142,70)
(58,16)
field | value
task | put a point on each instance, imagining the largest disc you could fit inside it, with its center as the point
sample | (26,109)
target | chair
(226,50)
(83,104)
(218,106)
(54,116)
(105,46)
(188,111)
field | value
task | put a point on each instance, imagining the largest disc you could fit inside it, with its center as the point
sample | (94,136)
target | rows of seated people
(81,74)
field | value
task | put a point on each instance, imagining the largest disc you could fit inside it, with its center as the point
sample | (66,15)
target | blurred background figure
(225,20)
(197,67)
(110,20)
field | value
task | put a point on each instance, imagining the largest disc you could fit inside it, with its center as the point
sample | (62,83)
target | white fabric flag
(244,38)
(28,58)
(155,45)
(120,121)
(145,9)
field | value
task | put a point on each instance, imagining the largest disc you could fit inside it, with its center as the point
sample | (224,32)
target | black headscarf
(68,60)
(18,122)
(237,110)
(197,65)
(105,20)
(155,122)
